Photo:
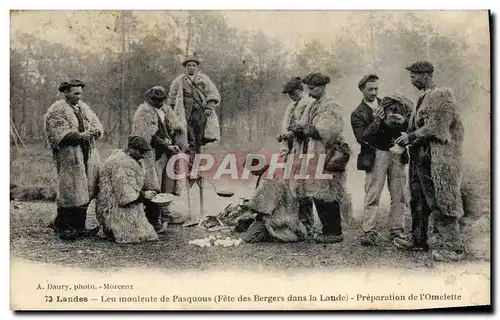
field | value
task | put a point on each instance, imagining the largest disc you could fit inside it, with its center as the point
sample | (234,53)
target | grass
(31,239)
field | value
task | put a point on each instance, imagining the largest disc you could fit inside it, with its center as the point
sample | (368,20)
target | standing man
(294,112)
(375,138)
(193,96)
(72,129)
(435,139)
(158,124)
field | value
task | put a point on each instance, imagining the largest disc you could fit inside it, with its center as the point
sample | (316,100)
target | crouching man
(119,205)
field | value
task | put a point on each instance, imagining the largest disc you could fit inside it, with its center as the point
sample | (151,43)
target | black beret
(292,85)
(72,83)
(366,78)
(421,67)
(190,59)
(138,143)
(316,79)
(157,92)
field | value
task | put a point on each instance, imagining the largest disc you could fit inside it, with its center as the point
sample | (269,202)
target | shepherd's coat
(325,116)
(75,186)
(437,121)
(118,212)
(176,94)
(145,124)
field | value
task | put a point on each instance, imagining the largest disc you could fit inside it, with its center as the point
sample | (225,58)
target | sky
(88,30)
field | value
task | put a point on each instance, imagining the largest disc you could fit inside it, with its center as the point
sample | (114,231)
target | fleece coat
(117,208)
(145,124)
(76,185)
(437,121)
(176,93)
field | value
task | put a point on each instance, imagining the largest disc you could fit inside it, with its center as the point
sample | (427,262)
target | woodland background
(249,68)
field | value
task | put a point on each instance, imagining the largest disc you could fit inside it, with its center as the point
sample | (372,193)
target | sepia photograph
(250,159)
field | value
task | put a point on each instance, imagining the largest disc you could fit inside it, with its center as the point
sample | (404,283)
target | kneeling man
(119,205)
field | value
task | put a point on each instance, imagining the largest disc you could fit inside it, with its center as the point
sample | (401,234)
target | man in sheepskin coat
(193,96)
(321,126)
(72,129)
(119,204)
(157,123)
(294,112)
(435,139)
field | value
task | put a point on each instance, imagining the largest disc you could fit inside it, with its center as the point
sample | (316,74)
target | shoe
(159,227)
(68,235)
(447,255)
(328,238)
(369,239)
(398,233)
(404,244)
(88,232)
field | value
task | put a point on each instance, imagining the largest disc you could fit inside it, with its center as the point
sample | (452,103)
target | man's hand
(149,194)
(403,140)
(174,149)
(379,114)
(209,109)
(284,153)
(85,135)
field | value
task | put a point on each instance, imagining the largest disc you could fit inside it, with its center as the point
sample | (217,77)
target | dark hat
(157,92)
(316,79)
(292,85)
(189,59)
(138,143)
(72,83)
(421,67)
(365,79)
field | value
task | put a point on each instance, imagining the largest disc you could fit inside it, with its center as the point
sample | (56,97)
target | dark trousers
(329,214)
(71,218)
(153,213)
(306,213)
(196,122)
(424,208)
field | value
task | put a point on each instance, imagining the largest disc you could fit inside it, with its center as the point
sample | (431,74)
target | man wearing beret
(376,138)
(122,192)
(321,126)
(72,129)
(289,145)
(158,124)
(193,96)
(435,136)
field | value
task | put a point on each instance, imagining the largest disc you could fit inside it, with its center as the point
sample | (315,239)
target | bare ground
(32,240)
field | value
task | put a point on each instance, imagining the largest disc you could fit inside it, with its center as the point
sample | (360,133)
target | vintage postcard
(249,160)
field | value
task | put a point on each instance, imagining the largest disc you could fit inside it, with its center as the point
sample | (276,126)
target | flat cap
(421,67)
(316,79)
(71,83)
(157,92)
(366,78)
(138,143)
(292,85)
(190,59)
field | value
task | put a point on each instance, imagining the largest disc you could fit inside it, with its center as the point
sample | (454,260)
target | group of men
(124,185)
(432,134)
(390,131)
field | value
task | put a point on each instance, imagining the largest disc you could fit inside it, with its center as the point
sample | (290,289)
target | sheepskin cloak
(325,116)
(145,124)
(438,122)
(293,113)
(176,94)
(118,212)
(75,186)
